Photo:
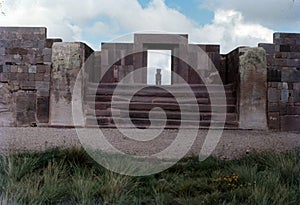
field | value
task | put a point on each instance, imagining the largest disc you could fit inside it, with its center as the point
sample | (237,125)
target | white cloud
(100,19)
(231,30)
(271,13)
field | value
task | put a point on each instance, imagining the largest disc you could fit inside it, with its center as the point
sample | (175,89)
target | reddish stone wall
(25,65)
(283,58)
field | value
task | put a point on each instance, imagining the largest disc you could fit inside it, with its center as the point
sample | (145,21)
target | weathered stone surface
(274,75)
(67,60)
(43,109)
(273,95)
(253,89)
(274,121)
(25,108)
(284,93)
(289,75)
(273,107)
(290,123)
(6,106)
(293,110)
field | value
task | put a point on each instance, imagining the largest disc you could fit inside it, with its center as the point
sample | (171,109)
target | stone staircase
(101,112)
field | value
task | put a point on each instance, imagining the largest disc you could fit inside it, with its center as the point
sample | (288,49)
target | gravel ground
(232,144)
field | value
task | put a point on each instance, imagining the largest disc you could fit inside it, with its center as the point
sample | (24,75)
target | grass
(72,177)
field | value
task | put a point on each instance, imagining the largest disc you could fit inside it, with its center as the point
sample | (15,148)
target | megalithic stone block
(67,61)
(252,96)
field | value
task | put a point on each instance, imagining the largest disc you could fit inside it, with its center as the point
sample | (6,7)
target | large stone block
(273,107)
(293,110)
(25,108)
(290,123)
(273,95)
(252,96)
(274,121)
(43,109)
(289,74)
(67,61)
(274,75)
(6,106)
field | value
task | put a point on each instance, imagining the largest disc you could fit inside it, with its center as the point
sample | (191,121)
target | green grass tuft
(72,177)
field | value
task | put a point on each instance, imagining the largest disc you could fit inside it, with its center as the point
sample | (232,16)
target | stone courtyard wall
(37,76)
(283,59)
(25,66)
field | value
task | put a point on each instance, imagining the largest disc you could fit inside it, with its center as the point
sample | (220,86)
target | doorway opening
(159,67)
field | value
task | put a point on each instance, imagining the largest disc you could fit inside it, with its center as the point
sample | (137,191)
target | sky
(230,23)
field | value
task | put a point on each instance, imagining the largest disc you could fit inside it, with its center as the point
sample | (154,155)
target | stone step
(155,99)
(182,87)
(161,93)
(157,115)
(145,123)
(165,106)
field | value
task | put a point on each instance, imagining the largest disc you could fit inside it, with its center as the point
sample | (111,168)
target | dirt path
(233,144)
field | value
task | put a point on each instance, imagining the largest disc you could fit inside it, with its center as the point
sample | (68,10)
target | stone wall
(37,75)
(25,66)
(283,58)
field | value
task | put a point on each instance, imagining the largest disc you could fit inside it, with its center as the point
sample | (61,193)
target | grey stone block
(284,93)
(285,41)
(274,75)
(290,123)
(273,95)
(294,48)
(31,77)
(283,109)
(41,85)
(32,69)
(293,110)
(22,76)
(13,76)
(289,75)
(273,107)
(297,96)
(4,77)
(27,85)
(14,69)
(274,121)
(39,77)
(269,48)
(43,109)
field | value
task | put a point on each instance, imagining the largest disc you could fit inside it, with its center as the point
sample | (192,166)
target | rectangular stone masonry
(269,48)
(274,75)
(290,123)
(273,95)
(289,75)
(293,110)
(273,107)
(274,121)
(25,108)
(27,85)
(43,109)
(32,69)
(50,42)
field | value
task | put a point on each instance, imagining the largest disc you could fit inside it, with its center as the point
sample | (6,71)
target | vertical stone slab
(252,95)
(67,61)
(6,106)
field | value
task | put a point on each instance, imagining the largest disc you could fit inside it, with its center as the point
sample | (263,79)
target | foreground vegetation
(72,177)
